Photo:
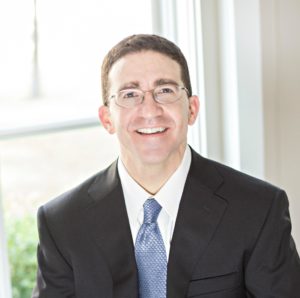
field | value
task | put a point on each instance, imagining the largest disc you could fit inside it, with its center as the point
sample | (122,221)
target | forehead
(144,67)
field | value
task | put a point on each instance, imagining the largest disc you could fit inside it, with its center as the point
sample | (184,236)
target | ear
(194,106)
(105,118)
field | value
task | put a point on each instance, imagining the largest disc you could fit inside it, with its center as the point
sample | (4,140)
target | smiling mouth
(152,130)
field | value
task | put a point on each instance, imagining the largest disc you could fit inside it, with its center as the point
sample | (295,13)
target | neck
(152,177)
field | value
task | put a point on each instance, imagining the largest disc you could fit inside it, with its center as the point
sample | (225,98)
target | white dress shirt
(168,197)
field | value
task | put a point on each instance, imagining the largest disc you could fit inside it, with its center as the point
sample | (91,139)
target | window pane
(72,38)
(75,35)
(16,27)
(38,168)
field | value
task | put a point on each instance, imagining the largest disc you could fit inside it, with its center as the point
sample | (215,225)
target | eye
(131,93)
(166,89)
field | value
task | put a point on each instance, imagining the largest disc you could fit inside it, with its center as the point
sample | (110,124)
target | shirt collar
(168,197)
(170,194)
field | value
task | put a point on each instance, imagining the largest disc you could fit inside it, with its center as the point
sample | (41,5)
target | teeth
(151,130)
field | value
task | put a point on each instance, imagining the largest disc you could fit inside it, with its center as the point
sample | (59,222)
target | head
(150,132)
(139,43)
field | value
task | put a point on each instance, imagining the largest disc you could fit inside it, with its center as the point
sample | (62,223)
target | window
(50,57)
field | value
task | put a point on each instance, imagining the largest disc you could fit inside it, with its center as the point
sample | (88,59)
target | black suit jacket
(231,240)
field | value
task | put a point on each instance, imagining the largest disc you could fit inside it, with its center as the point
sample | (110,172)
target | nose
(149,107)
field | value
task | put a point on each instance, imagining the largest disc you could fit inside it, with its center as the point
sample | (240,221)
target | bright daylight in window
(50,59)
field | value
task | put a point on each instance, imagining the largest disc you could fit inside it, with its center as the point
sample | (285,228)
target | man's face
(149,133)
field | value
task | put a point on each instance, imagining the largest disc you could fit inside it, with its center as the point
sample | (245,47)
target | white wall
(280,22)
(264,39)
(251,56)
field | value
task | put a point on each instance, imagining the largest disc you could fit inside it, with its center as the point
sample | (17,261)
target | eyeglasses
(163,94)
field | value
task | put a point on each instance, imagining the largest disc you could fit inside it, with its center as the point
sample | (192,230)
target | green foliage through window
(22,242)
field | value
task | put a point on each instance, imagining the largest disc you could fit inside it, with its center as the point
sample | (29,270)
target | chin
(152,160)
(156,157)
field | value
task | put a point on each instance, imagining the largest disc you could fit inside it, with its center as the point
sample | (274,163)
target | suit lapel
(199,214)
(111,231)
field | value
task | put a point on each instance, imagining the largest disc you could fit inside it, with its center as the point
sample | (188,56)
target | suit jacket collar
(111,231)
(200,212)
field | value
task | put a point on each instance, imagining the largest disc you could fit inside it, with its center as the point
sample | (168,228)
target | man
(162,221)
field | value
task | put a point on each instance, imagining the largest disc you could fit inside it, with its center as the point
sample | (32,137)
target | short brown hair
(138,43)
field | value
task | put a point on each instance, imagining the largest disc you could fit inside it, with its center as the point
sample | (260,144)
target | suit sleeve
(54,275)
(273,269)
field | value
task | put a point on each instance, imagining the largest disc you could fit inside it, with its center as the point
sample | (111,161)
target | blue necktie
(150,254)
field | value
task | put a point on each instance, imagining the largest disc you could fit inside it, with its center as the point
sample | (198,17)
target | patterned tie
(151,255)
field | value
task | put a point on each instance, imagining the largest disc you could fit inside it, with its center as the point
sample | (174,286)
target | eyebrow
(165,81)
(136,84)
(129,85)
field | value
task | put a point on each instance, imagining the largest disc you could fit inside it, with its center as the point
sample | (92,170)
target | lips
(151,130)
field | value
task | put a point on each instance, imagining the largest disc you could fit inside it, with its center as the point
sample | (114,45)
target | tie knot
(151,210)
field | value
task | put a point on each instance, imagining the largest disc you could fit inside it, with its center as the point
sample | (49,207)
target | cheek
(182,115)
(121,121)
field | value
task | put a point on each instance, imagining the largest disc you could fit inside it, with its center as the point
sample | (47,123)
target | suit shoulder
(237,185)
(245,182)
(78,198)
(239,177)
